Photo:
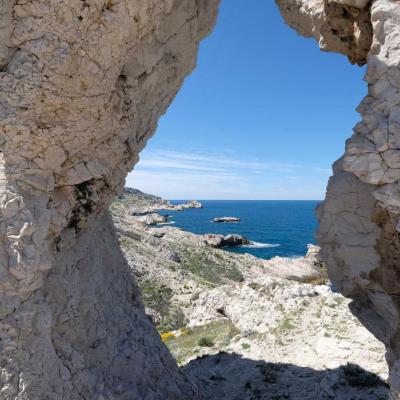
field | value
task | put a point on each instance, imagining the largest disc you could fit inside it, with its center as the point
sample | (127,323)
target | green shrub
(187,344)
(285,325)
(255,286)
(205,341)
(156,296)
(202,263)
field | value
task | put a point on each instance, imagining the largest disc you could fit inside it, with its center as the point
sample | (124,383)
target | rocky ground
(247,328)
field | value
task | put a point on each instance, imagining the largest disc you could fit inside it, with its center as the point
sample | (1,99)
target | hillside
(205,301)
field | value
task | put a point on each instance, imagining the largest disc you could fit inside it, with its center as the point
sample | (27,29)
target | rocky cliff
(359,221)
(82,85)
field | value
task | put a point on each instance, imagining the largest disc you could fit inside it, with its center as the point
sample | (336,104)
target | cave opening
(262,117)
(256,126)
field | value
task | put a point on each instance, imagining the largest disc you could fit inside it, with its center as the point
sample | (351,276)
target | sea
(276,227)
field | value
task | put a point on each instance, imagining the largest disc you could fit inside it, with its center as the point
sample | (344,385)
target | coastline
(204,300)
(291,225)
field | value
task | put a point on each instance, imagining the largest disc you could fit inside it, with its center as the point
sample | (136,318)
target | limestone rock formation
(82,85)
(359,221)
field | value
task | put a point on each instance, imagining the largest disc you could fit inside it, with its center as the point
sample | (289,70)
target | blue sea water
(278,228)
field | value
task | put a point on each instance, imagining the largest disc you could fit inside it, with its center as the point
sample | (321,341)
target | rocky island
(227,220)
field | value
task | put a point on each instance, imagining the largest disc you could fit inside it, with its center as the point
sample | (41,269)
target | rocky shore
(217,310)
(146,205)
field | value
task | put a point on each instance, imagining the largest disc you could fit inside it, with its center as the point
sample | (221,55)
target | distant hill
(138,198)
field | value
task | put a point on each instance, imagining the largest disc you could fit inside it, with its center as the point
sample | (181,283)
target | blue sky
(263,116)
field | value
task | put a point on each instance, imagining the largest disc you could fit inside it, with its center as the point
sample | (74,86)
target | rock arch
(83,84)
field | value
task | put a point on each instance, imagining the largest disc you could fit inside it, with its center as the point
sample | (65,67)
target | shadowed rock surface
(233,377)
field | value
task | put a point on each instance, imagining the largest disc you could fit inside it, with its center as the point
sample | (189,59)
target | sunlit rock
(359,221)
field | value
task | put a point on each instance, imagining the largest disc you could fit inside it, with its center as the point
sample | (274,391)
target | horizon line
(190,199)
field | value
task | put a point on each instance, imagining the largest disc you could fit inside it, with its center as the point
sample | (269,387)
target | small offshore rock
(226,219)
(235,240)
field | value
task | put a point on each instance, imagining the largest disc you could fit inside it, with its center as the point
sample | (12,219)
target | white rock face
(288,322)
(82,85)
(359,221)
(353,3)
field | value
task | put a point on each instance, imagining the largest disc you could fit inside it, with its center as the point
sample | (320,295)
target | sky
(263,116)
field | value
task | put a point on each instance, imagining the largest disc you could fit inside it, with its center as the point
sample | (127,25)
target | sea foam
(259,245)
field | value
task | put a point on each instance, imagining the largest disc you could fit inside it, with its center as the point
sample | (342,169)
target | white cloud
(174,164)
(186,185)
(184,175)
(208,162)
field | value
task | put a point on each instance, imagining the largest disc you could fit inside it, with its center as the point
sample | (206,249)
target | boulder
(152,219)
(234,240)
(227,240)
(213,240)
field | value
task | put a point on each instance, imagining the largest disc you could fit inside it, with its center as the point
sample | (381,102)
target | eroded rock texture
(360,224)
(82,85)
